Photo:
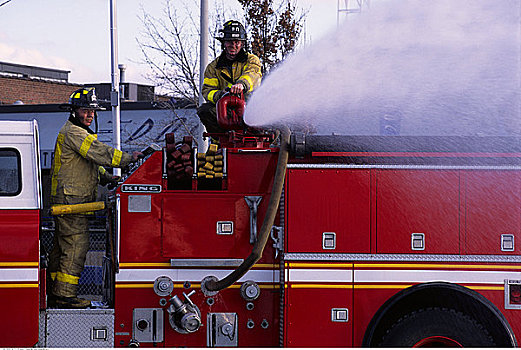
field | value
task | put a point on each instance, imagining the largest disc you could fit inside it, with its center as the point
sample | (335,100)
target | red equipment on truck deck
(230,111)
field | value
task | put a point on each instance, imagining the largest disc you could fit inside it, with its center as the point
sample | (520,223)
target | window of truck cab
(10,172)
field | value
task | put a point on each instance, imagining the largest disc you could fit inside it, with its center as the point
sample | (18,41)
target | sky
(75,35)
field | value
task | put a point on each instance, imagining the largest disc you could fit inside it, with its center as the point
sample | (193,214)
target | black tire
(437,327)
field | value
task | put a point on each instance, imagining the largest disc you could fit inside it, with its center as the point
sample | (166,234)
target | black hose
(269,218)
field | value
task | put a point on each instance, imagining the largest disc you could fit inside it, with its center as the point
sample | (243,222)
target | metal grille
(281,268)
(90,283)
(404,166)
(402,257)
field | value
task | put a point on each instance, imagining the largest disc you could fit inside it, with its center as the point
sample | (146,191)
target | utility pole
(114,93)
(350,6)
(203,62)
(203,59)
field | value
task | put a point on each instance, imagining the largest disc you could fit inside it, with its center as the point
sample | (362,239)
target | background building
(38,85)
(33,85)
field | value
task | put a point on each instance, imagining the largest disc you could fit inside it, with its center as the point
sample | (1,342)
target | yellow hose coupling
(64,209)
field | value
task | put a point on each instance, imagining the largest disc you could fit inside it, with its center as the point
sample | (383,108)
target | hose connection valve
(184,317)
(250,291)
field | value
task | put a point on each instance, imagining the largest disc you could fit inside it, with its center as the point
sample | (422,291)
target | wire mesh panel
(90,283)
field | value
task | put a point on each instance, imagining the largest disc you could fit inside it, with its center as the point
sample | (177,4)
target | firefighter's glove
(113,183)
(136,156)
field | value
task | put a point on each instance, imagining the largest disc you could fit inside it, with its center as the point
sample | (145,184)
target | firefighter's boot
(49,281)
(58,302)
(51,300)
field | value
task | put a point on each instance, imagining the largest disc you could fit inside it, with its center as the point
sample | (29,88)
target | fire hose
(214,285)
(64,209)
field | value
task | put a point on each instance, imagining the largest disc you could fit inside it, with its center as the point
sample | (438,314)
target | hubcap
(437,342)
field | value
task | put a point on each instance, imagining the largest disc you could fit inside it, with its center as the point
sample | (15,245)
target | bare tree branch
(169,46)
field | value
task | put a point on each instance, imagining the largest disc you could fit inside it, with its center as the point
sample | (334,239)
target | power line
(5,2)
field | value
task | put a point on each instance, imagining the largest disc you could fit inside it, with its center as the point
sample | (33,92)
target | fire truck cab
(20,204)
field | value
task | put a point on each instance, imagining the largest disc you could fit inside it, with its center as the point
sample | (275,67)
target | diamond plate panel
(41,331)
(402,257)
(79,328)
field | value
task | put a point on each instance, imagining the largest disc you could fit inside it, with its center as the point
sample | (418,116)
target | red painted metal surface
(19,231)
(19,296)
(19,320)
(417,154)
(400,202)
(251,171)
(418,201)
(149,173)
(184,237)
(141,232)
(327,200)
(493,208)
(370,210)
(182,224)
(308,320)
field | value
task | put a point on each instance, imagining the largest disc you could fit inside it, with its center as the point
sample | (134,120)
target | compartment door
(493,212)
(412,204)
(328,211)
(190,225)
(318,305)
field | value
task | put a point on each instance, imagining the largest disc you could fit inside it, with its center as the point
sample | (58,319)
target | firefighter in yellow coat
(76,170)
(235,69)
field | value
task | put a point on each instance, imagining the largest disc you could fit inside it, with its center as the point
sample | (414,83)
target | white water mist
(442,67)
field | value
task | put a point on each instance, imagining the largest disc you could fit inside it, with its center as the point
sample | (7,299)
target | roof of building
(24,71)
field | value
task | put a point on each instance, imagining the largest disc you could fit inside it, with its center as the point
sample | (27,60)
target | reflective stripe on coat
(216,79)
(78,156)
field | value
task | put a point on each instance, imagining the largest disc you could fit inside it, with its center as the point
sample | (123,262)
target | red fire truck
(294,241)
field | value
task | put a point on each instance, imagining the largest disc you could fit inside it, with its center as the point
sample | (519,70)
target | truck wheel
(437,327)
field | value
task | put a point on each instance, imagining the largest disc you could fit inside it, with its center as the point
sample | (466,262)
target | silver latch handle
(278,240)
(253,204)
(187,297)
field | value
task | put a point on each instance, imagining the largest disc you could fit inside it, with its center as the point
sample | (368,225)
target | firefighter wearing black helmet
(76,171)
(235,69)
